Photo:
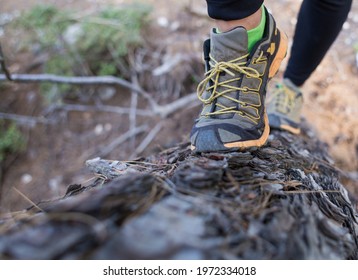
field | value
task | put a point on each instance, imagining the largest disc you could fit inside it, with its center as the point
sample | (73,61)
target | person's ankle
(254,24)
(248,23)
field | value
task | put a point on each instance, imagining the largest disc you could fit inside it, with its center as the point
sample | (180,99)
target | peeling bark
(282,201)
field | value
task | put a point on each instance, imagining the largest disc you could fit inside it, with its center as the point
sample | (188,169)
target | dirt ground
(56,154)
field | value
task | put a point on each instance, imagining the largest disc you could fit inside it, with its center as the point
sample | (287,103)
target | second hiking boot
(284,105)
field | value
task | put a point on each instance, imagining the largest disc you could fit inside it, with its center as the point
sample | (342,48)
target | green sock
(255,34)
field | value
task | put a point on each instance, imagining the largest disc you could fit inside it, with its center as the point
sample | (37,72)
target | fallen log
(282,201)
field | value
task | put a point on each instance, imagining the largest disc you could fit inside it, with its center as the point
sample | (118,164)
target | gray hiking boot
(284,106)
(234,88)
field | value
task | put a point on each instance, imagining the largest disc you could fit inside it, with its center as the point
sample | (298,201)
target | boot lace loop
(217,88)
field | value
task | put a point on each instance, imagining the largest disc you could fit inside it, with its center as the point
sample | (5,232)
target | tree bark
(282,201)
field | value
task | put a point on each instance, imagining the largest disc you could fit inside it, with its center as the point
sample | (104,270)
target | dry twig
(28,199)
(3,66)
(118,141)
(147,140)
(28,120)
(88,80)
(96,108)
(133,110)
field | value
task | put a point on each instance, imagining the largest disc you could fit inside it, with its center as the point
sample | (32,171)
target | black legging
(318,25)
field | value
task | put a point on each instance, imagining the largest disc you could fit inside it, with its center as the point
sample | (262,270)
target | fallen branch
(96,108)
(85,80)
(168,109)
(28,120)
(161,110)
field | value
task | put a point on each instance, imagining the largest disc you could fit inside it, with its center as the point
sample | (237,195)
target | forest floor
(55,154)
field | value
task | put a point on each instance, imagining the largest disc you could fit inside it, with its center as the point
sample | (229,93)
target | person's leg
(318,25)
(232,9)
(234,88)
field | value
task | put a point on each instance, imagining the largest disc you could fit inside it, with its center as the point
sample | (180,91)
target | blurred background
(48,130)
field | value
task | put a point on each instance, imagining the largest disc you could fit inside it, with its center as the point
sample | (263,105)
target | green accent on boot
(255,34)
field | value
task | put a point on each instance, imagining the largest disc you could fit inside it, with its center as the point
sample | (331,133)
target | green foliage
(54,93)
(107,69)
(91,45)
(46,22)
(115,28)
(355,46)
(11,140)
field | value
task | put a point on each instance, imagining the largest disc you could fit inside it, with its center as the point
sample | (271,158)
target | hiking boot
(234,88)
(284,106)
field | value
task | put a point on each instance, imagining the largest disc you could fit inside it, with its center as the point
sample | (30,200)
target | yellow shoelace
(229,67)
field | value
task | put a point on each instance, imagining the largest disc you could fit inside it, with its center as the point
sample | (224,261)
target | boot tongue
(225,47)
(229,45)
